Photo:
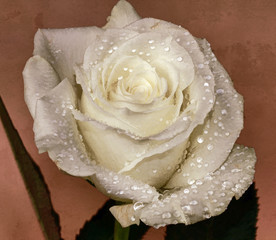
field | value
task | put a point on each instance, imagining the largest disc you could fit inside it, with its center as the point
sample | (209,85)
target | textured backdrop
(243,37)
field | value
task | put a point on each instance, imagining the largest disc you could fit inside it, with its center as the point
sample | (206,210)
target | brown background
(242,34)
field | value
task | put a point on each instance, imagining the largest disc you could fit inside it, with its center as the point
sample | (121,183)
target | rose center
(133,80)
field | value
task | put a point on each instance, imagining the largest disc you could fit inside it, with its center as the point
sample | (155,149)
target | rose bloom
(144,110)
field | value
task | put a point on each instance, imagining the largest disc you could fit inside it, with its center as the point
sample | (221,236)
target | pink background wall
(243,37)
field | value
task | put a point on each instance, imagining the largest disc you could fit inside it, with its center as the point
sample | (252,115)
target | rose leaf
(237,222)
(33,179)
(101,226)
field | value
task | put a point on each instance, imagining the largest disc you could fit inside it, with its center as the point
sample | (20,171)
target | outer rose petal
(56,131)
(63,48)
(212,141)
(39,78)
(207,197)
(122,14)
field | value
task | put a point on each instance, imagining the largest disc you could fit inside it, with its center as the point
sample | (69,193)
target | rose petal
(212,141)
(206,197)
(122,14)
(125,214)
(122,188)
(56,131)
(103,110)
(201,97)
(63,48)
(122,154)
(39,78)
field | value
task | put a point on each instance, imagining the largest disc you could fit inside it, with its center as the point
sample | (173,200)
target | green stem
(120,233)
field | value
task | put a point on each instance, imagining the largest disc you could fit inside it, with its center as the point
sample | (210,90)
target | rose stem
(120,233)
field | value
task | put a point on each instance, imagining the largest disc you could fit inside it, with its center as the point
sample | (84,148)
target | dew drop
(199,182)
(186,208)
(166,215)
(200,65)
(191,181)
(223,112)
(199,159)
(194,202)
(137,206)
(220,91)
(210,147)
(200,139)
(179,59)
(186,191)
(167,49)
(210,192)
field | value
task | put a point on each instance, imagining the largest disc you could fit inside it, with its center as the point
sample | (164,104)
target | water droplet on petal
(186,191)
(220,91)
(200,139)
(194,202)
(200,65)
(199,159)
(137,206)
(223,112)
(166,215)
(210,147)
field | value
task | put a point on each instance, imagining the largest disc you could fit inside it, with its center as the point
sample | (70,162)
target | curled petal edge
(201,200)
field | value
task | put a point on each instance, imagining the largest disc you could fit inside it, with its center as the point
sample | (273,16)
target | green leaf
(237,222)
(100,226)
(33,179)
(137,232)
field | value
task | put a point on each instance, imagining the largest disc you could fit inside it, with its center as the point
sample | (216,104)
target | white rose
(143,110)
